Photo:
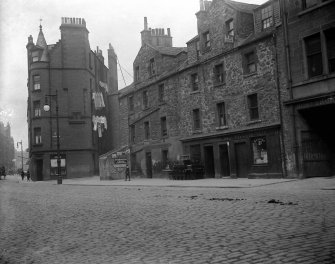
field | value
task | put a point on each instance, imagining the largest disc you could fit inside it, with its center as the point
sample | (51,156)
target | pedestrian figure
(3,172)
(127,174)
(28,175)
(22,175)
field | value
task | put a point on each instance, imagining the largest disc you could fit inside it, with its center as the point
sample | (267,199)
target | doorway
(148,162)
(242,158)
(39,170)
(209,162)
(224,160)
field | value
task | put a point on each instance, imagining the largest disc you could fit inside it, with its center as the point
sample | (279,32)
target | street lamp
(46,108)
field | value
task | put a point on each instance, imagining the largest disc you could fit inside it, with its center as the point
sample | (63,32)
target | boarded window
(137,73)
(230,27)
(152,67)
(196,119)
(259,150)
(253,106)
(131,103)
(145,99)
(207,41)
(146,130)
(163,127)
(161,92)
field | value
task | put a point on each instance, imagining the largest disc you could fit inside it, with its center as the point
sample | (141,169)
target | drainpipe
(289,85)
(284,164)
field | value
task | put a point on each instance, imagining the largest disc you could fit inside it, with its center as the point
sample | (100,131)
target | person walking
(22,175)
(127,174)
(28,175)
(3,172)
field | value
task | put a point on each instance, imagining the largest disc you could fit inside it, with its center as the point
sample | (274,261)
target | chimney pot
(169,32)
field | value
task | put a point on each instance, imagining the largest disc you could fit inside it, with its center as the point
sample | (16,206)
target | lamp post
(46,108)
(17,144)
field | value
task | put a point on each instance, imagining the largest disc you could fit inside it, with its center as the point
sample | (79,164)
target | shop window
(37,108)
(249,62)
(195,82)
(163,127)
(259,150)
(314,55)
(145,99)
(253,107)
(161,91)
(38,135)
(221,112)
(267,17)
(219,74)
(195,154)
(196,119)
(131,103)
(37,82)
(146,130)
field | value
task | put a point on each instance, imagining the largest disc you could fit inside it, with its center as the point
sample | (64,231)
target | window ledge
(36,91)
(197,131)
(261,165)
(253,122)
(195,92)
(77,122)
(315,79)
(246,75)
(37,144)
(221,127)
(219,84)
(310,9)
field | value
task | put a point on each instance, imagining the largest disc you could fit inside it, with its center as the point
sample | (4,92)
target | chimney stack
(145,23)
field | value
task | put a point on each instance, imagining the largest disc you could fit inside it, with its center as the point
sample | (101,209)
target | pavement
(80,221)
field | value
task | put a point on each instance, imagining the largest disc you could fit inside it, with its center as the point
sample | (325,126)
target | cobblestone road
(283,223)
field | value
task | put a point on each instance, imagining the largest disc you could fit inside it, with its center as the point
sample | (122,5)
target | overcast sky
(108,21)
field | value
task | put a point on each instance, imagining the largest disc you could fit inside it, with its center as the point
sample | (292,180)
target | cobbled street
(42,222)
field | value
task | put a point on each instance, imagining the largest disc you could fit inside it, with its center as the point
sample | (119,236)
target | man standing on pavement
(127,174)
(22,175)
(28,175)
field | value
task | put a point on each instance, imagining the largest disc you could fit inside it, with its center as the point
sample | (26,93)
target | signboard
(120,163)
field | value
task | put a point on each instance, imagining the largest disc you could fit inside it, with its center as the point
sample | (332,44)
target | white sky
(108,21)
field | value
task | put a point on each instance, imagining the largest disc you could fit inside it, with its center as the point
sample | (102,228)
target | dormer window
(267,17)
(35,56)
(230,27)
(207,41)
(137,73)
(152,67)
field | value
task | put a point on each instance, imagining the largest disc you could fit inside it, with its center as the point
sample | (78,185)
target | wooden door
(148,164)
(39,170)
(224,160)
(242,160)
(209,162)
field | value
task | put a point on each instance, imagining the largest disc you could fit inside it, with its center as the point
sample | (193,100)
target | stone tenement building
(7,150)
(310,63)
(85,90)
(219,100)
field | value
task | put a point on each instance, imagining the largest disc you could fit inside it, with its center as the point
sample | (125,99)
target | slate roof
(242,7)
(170,51)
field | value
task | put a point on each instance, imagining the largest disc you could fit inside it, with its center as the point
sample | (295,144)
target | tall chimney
(145,23)
(169,32)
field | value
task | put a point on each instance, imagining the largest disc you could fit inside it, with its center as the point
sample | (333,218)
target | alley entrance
(39,169)
(318,142)
(241,157)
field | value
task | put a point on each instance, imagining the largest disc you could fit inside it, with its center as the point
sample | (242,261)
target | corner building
(83,85)
(218,101)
